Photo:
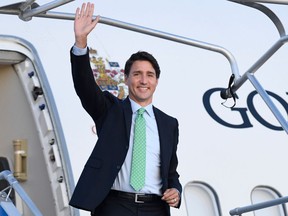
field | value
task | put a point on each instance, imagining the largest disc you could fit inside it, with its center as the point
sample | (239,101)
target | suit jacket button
(118,167)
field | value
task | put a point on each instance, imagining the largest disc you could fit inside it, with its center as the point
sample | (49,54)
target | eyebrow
(140,71)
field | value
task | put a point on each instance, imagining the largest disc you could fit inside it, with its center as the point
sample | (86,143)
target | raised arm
(84,24)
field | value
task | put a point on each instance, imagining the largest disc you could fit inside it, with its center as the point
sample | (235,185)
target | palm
(84,22)
(83,26)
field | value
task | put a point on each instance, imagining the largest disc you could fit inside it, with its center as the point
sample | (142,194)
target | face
(141,82)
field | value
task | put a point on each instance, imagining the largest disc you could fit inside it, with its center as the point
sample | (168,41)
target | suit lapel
(127,115)
(162,138)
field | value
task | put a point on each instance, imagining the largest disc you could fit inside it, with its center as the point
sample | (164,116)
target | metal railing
(249,75)
(26,13)
(258,206)
(8,176)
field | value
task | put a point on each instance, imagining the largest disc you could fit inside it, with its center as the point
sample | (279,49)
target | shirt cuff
(79,51)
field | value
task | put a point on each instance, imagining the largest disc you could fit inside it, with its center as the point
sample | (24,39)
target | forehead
(142,65)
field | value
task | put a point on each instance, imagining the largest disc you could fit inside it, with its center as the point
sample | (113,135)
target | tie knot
(141,111)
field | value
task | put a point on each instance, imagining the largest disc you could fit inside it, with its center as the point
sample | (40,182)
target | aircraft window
(264,193)
(201,199)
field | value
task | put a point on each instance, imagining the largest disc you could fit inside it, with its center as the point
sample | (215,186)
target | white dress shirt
(153,181)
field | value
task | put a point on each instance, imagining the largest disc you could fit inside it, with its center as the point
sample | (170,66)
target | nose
(143,79)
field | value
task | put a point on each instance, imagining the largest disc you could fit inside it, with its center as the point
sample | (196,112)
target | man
(105,187)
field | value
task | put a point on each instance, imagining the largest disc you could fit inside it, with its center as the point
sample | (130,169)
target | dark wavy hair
(142,56)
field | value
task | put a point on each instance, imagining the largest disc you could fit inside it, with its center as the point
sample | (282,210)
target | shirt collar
(135,106)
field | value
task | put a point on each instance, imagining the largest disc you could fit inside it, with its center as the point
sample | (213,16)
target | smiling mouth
(143,88)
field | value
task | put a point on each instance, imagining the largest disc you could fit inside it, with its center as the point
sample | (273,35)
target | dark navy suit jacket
(112,118)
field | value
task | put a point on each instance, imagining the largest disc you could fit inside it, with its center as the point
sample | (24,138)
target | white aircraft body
(223,76)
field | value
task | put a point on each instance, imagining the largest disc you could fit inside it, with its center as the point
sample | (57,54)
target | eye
(136,73)
(151,74)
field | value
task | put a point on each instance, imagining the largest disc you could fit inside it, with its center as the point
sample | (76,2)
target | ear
(125,79)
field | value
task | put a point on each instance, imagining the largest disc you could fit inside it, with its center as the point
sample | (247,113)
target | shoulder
(159,114)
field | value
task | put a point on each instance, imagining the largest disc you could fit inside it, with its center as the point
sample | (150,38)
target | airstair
(7,206)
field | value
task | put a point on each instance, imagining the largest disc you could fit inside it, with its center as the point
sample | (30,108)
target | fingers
(77,13)
(171,196)
(85,11)
(84,24)
(84,17)
(90,10)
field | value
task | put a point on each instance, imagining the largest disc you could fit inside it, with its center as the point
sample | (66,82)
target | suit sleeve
(173,174)
(93,100)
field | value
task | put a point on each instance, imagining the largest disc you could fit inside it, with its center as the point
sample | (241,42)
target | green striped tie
(137,179)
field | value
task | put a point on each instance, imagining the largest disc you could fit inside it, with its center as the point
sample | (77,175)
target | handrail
(238,82)
(258,87)
(268,12)
(28,12)
(8,176)
(257,206)
(143,30)
(265,1)
(225,93)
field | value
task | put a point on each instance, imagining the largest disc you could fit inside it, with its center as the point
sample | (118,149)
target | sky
(220,156)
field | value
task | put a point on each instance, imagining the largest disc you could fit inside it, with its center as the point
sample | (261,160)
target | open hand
(84,24)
